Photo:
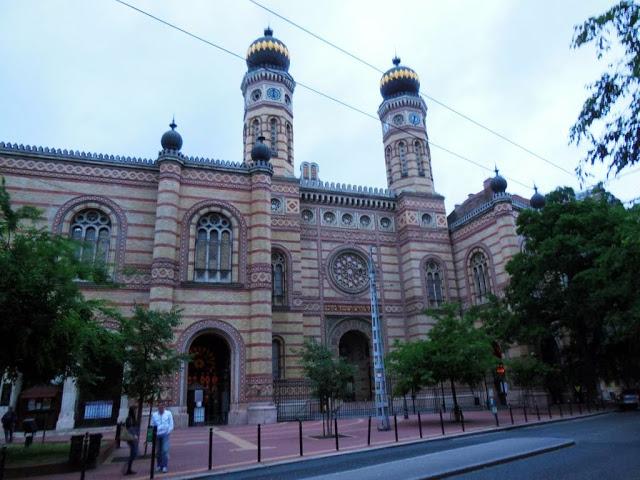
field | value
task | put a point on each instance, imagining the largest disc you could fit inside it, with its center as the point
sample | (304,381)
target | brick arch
(188,221)
(236,347)
(62,222)
(445,280)
(347,325)
(478,247)
(289,272)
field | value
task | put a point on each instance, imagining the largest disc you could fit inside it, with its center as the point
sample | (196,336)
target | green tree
(329,375)
(610,118)
(408,363)
(528,372)
(459,351)
(148,355)
(47,326)
(573,290)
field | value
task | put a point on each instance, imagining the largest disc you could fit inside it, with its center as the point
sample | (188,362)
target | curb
(210,474)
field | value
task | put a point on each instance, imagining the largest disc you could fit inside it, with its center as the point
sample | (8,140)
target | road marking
(237,441)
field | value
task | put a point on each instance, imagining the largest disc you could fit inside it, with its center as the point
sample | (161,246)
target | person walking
(9,420)
(163,420)
(133,429)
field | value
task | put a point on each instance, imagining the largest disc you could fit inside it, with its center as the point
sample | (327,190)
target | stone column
(259,377)
(66,418)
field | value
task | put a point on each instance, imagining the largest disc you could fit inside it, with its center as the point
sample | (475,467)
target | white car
(629,400)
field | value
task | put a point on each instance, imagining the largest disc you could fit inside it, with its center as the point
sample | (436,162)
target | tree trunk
(456,407)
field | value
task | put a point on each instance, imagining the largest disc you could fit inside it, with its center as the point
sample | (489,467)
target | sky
(97,76)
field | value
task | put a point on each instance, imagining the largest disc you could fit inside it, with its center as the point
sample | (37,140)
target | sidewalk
(237,446)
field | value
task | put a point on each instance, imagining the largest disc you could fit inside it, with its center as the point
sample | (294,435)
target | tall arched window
(277,358)
(387,156)
(255,129)
(289,143)
(278,278)
(480,275)
(273,132)
(419,157)
(434,284)
(402,151)
(92,229)
(213,249)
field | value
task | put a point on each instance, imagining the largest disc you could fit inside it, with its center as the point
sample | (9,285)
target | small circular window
(275,205)
(365,221)
(385,223)
(256,95)
(307,215)
(426,220)
(329,217)
(347,219)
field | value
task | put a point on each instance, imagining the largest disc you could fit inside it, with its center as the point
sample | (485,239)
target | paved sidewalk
(236,446)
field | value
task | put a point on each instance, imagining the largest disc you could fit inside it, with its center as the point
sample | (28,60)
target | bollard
(462,419)
(154,439)
(549,410)
(570,409)
(588,407)
(497,421)
(419,425)
(3,459)
(300,435)
(511,414)
(537,412)
(118,431)
(259,445)
(441,422)
(369,432)
(210,447)
(83,459)
(43,433)
(335,424)
(524,409)
(395,426)
(580,408)
(560,410)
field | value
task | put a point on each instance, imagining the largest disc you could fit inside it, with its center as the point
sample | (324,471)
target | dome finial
(173,123)
(268,32)
(396,60)
(171,139)
(537,200)
(498,183)
(260,152)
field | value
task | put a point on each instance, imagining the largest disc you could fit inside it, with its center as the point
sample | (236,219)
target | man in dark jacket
(9,424)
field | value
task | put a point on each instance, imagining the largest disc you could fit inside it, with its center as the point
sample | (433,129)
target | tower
(404,133)
(268,89)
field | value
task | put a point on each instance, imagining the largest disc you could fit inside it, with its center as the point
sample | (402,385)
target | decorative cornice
(402,101)
(485,207)
(259,74)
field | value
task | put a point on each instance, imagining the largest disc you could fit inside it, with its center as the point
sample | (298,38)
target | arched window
(92,229)
(419,157)
(402,151)
(434,284)
(277,358)
(278,278)
(255,129)
(273,132)
(480,275)
(387,157)
(213,249)
(289,143)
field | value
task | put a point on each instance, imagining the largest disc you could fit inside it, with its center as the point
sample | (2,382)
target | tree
(610,118)
(459,351)
(528,372)
(148,356)
(410,367)
(47,326)
(330,377)
(573,290)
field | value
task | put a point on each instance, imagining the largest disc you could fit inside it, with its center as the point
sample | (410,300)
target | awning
(40,391)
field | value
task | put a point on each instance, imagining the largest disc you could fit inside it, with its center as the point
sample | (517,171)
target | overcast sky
(98,76)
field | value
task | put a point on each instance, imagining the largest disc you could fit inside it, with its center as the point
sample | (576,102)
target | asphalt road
(607,447)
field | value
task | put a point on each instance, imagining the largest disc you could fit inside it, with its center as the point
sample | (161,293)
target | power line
(314,90)
(433,99)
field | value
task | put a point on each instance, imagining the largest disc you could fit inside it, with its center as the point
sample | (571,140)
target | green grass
(36,454)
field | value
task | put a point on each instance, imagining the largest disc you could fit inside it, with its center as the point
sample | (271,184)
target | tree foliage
(409,365)
(610,118)
(47,326)
(148,355)
(574,289)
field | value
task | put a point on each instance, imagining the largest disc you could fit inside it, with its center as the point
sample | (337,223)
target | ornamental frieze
(346,308)
(215,179)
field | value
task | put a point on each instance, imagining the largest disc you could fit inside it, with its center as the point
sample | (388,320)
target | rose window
(349,272)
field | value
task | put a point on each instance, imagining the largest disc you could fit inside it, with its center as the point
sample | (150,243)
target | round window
(349,272)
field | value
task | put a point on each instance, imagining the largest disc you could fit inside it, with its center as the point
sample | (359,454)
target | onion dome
(260,152)
(537,200)
(498,183)
(171,140)
(268,51)
(399,80)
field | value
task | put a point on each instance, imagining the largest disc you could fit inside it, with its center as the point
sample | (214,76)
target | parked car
(629,400)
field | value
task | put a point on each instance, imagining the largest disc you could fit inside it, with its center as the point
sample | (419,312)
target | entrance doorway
(354,348)
(209,380)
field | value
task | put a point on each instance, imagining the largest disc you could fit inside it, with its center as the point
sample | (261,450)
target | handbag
(126,436)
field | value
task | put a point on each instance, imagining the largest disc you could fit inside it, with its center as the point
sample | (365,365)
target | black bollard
(511,414)
(395,426)
(537,412)
(580,408)
(419,425)
(588,407)
(560,410)
(335,425)
(3,459)
(462,419)
(118,430)
(210,447)
(154,439)
(84,453)
(259,445)
(369,432)
(496,417)
(524,410)
(300,435)
(549,410)
(570,409)
(43,433)
(441,422)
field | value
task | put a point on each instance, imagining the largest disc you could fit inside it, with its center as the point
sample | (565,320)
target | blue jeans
(133,453)
(163,450)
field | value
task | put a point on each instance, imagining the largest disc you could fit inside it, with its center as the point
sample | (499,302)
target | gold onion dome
(268,52)
(399,80)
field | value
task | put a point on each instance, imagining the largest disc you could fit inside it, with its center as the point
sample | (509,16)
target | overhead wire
(424,95)
(318,92)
